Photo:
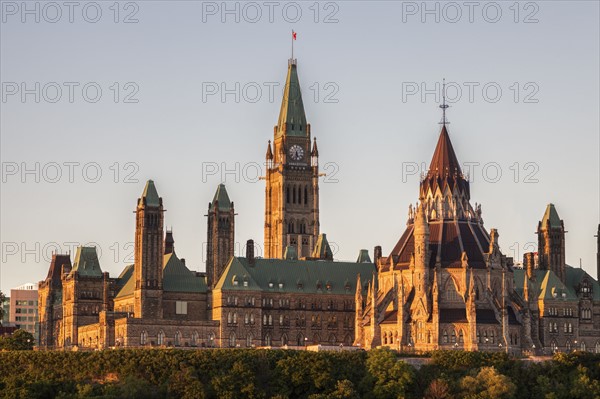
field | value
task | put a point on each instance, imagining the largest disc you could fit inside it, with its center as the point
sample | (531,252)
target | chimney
(182,261)
(169,242)
(377,254)
(250,251)
(529,264)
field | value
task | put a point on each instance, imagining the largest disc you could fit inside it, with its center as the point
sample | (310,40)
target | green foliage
(284,374)
(388,376)
(19,340)
(2,300)
(487,384)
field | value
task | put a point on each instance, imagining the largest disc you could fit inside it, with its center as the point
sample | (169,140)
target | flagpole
(292,45)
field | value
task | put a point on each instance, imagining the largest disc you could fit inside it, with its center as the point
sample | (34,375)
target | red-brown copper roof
(444,158)
(449,238)
(444,169)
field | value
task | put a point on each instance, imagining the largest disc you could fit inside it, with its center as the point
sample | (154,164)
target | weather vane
(444,106)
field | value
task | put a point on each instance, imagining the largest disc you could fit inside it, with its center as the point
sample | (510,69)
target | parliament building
(445,285)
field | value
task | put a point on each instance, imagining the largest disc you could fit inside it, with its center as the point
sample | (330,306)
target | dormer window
(270,285)
(245,283)
(280,285)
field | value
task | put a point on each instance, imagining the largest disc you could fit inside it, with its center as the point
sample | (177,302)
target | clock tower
(292,176)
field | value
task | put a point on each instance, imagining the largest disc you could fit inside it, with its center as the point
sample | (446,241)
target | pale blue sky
(366,61)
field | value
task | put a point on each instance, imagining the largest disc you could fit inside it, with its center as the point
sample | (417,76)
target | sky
(98,97)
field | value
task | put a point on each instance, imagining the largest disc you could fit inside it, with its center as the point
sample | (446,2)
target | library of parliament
(444,285)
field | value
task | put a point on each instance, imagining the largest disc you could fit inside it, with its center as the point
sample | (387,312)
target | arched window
(299,195)
(453,337)
(232,340)
(568,345)
(332,339)
(492,337)
(211,340)
(460,337)
(583,347)
(229,318)
(287,195)
(284,339)
(478,337)
(268,340)
(161,338)
(445,337)
(177,338)
(385,338)
(143,338)
(597,347)
(305,195)
(553,346)
(294,195)
(300,339)
(249,340)
(194,338)
(235,318)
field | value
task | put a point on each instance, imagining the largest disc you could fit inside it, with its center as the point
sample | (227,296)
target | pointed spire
(221,199)
(444,158)
(150,195)
(292,119)
(269,151)
(551,219)
(315,150)
(358,293)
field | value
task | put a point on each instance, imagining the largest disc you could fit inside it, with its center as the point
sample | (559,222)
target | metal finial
(444,106)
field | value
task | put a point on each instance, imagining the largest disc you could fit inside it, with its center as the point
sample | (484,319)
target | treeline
(240,373)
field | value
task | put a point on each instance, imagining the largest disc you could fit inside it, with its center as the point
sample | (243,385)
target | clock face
(296,152)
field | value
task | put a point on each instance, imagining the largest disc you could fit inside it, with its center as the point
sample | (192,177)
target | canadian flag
(293,35)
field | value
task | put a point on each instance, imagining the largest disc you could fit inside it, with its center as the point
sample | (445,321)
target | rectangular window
(180,307)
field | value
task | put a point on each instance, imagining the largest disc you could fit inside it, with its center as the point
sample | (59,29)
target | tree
(388,377)
(18,341)
(2,300)
(488,383)
(438,389)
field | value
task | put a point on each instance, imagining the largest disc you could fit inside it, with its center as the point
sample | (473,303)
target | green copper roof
(575,277)
(86,262)
(301,276)
(151,194)
(547,285)
(322,250)
(125,275)
(292,114)
(221,198)
(551,219)
(178,278)
(290,253)
(363,256)
(127,284)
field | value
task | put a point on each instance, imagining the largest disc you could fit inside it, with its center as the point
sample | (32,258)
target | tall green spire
(221,199)
(292,119)
(150,194)
(551,219)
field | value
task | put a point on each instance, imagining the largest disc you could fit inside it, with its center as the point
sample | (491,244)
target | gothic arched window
(143,338)
(305,195)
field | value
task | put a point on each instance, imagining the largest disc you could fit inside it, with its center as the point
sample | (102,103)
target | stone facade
(445,284)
